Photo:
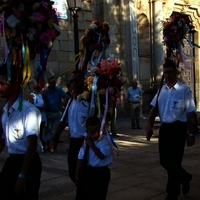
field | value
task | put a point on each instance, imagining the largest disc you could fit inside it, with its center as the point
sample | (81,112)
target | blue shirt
(53,98)
(134,95)
(104,145)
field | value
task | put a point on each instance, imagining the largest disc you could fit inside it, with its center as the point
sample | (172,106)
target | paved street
(135,173)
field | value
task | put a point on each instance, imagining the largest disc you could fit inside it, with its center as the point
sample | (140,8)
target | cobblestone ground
(135,173)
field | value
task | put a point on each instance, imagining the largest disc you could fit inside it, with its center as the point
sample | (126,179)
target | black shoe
(139,127)
(133,127)
(168,197)
(186,186)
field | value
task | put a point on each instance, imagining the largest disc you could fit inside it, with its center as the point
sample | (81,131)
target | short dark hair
(169,63)
(51,77)
(37,86)
(93,121)
(79,72)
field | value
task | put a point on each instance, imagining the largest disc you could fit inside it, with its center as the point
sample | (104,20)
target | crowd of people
(37,124)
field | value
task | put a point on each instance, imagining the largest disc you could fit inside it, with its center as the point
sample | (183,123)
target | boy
(96,151)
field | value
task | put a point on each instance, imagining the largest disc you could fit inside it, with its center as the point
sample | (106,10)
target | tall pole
(76,38)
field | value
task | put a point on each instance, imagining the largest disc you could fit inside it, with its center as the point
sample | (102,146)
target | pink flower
(48,36)
(111,90)
(39,16)
(45,4)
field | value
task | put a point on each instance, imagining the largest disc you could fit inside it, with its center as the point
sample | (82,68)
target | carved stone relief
(168,7)
(142,6)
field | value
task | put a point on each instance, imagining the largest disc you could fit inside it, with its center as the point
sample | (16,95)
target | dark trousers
(172,140)
(9,176)
(95,184)
(97,181)
(74,147)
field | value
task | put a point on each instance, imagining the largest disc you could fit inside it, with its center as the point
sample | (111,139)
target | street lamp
(74,6)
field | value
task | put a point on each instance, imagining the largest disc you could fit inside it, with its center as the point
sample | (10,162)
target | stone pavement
(135,173)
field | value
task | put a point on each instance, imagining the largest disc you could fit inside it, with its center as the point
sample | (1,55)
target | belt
(135,102)
(11,155)
(16,155)
(175,123)
(81,138)
(53,111)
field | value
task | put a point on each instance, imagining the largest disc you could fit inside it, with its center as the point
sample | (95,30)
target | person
(37,99)
(53,96)
(69,94)
(75,115)
(175,107)
(20,127)
(134,94)
(95,176)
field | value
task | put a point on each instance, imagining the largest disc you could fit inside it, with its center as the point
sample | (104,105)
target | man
(53,96)
(75,115)
(175,108)
(20,127)
(134,94)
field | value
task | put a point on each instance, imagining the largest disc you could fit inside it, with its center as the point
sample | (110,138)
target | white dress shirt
(104,146)
(18,125)
(78,112)
(174,103)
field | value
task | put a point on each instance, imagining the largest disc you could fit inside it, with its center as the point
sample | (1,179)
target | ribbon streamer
(94,92)
(105,113)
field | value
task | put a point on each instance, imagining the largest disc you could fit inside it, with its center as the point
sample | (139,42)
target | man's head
(134,84)
(93,126)
(52,82)
(170,72)
(37,88)
(76,81)
(10,81)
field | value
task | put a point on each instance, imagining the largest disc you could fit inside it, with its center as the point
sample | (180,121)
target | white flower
(12,21)
(93,70)
(31,34)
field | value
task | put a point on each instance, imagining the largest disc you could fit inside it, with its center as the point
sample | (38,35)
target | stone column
(197,70)
(158,55)
(133,40)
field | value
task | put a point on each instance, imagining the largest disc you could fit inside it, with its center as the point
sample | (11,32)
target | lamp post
(74,6)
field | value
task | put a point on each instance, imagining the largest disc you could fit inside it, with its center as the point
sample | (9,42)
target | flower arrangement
(34,21)
(175,30)
(94,42)
(109,75)
(102,87)
(29,27)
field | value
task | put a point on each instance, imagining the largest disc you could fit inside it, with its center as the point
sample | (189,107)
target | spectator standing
(175,107)
(20,175)
(53,96)
(37,99)
(96,154)
(134,95)
(75,115)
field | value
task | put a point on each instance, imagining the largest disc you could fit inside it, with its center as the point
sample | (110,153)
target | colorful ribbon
(94,92)
(105,113)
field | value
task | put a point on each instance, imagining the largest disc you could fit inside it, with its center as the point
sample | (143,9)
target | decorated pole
(29,29)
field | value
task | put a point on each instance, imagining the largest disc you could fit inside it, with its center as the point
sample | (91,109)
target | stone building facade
(136,40)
